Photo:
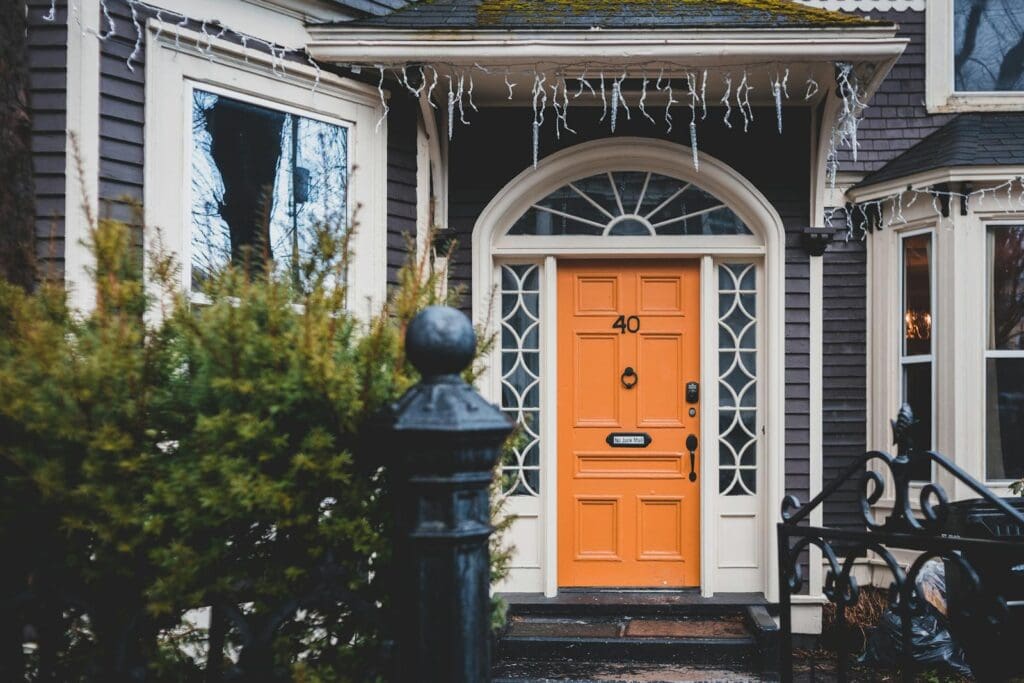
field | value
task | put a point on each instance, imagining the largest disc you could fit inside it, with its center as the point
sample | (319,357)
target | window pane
(262,180)
(917,295)
(1006,288)
(989,45)
(917,391)
(1004,417)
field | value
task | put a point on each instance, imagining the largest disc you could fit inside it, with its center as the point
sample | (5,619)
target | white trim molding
(765,248)
(695,47)
(171,73)
(867,5)
(81,191)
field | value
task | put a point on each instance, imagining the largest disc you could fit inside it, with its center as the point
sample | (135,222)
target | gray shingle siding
(402,126)
(47,60)
(896,118)
(122,119)
(844,370)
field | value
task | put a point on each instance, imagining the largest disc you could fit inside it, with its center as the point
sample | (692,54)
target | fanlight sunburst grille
(629,203)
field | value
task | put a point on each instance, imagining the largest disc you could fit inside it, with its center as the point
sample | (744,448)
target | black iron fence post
(446,441)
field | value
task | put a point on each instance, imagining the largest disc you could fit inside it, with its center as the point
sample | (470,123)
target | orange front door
(628,344)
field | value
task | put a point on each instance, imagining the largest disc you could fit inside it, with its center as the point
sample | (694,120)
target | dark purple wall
(896,117)
(47,60)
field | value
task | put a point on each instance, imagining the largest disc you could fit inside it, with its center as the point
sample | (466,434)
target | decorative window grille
(629,203)
(520,375)
(737,379)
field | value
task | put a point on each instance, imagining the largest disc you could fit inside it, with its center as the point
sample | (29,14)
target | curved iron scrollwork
(980,610)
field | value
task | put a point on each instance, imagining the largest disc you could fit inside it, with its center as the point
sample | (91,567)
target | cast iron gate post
(445,444)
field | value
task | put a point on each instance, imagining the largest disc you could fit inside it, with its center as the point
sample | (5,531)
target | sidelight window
(737,379)
(520,375)
(262,181)
(1004,355)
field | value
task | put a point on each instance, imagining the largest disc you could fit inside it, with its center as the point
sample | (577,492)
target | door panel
(627,516)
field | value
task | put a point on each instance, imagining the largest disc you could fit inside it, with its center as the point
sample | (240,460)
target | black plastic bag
(931,644)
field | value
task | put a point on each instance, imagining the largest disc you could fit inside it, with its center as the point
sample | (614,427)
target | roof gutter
(931,178)
(696,48)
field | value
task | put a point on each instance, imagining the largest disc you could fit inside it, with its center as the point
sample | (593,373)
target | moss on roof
(546,11)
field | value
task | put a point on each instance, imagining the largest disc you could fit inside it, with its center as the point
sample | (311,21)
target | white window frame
(940,82)
(174,68)
(987,226)
(904,359)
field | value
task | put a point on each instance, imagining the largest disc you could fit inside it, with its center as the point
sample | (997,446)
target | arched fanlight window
(629,203)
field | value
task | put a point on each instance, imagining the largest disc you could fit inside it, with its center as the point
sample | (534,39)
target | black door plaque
(628,440)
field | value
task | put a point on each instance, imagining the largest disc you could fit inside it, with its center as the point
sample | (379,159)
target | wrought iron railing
(980,614)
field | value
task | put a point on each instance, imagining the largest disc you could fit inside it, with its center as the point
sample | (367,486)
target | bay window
(1004,355)
(916,353)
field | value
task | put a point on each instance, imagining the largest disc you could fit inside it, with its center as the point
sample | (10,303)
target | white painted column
(82,148)
(708,425)
(549,427)
(816,465)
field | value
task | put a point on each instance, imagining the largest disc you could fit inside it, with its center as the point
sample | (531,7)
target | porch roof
(609,14)
(968,140)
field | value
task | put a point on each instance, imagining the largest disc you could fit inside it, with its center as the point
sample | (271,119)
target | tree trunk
(17,189)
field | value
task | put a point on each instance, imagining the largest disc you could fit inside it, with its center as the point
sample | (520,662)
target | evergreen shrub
(160,456)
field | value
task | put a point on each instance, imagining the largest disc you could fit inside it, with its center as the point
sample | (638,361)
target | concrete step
(581,629)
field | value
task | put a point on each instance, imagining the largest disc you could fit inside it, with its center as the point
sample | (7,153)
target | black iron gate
(985,610)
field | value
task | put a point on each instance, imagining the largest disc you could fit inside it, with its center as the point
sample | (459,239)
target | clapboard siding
(401,226)
(844,372)
(47,91)
(122,120)
(486,155)
(896,117)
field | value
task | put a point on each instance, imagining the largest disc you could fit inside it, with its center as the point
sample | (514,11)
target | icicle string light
(885,212)
(725,101)
(383,99)
(844,133)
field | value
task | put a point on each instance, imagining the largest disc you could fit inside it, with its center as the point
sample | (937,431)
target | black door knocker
(629,378)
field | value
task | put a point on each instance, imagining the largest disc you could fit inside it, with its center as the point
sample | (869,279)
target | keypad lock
(692,392)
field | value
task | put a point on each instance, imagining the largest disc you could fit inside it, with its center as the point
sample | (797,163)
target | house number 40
(624,324)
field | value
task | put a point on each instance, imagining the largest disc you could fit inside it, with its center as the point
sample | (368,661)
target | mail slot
(628,440)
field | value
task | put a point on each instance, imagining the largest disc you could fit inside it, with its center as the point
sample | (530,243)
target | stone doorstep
(628,627)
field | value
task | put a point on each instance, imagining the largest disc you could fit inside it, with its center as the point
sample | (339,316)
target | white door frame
(766,246)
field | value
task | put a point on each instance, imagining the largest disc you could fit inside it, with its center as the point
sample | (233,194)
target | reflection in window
(262,181)
(989,45)
(1004,363)
(627,203)
(916,344)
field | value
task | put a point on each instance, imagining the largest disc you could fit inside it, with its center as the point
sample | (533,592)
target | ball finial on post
(440,341)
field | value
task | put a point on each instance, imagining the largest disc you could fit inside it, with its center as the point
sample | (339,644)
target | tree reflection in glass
(989,45)
(262,180)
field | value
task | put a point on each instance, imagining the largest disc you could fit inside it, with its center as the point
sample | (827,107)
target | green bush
(158,457)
